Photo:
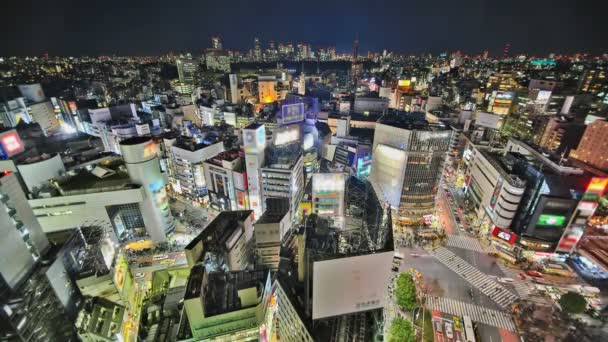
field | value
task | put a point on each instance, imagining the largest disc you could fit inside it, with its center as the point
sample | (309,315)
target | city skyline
(155,28)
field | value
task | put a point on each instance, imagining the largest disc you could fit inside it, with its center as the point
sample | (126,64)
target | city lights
(303,172)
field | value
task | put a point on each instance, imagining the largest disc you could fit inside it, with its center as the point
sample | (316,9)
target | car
(448,330)
(139,275)
(160,257)
(395,269)
(522,276)
(505,280)
(438,327)
(534,273)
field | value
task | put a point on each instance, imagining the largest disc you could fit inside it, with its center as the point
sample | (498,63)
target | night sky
(152,27)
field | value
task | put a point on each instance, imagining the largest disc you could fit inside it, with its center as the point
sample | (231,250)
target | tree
(401,331)
(405,292)
(573,302)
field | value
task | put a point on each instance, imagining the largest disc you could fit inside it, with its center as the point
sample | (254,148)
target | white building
(254,143)
(44,114)
(328,195)
(495,192)
(283,176)
(269,232)
(226,181)
(140,155)
(23,240)
(186,172)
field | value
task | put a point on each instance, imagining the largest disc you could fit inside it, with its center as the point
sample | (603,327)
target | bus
(468,329)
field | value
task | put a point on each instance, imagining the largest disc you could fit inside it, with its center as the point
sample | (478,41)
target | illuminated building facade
(407,162)
(187,69)
(226,306)
(140,155)
(254,143)
(23,241)
(226,181)
(328,195)
(186,172)
(593,146)
(267,89)
(283,175)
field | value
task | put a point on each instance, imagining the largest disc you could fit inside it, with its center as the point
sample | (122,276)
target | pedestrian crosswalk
(477,313)
(465,242)
(498,293)
(522,288)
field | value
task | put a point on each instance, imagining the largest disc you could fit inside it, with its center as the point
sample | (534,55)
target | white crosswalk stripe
(522,288)
(465,242)
(476,278)
(477,313)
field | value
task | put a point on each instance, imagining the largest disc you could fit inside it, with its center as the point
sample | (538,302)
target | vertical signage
(585,209)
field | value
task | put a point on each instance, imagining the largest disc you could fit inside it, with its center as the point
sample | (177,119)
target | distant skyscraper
(257,49)
(216,42)
(187,69)
(505,52)
(356,67)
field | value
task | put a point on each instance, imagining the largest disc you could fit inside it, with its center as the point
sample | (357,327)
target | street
(461,280)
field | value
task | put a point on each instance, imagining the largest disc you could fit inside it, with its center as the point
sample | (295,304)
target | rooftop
(273,217)
(221,293)
(254,125)
(504,166)
(283,157)
(86,182)
(410,121)
(216,234)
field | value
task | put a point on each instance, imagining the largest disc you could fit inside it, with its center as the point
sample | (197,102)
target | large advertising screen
(551,220)
(349,285)
(292,113)
(388,171)
(10,144)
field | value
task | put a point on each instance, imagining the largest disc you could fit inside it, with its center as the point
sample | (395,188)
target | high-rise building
(593,147)
(186,173)
(23,240)
(269,231)
(140,155)
(216,43)
(356,67)
(225,305)
(254,143)
(187,69)
(283,175)
(407,162)
(328,196)
(267,89)
(226,181)
(257,50)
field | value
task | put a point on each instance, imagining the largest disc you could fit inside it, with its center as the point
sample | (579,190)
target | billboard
(489,120)
(504,235)
(584,210)
(10,144)
(551,220)
(387,173)
(345,155)
(292,113)
(404,83)
(349,285)
(230,118)
(286,135)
